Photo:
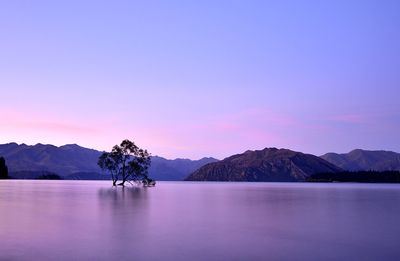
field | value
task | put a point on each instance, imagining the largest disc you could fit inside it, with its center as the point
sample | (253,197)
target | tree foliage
(3,169)
(126,162)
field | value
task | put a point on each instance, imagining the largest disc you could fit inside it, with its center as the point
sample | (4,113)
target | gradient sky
(201,78)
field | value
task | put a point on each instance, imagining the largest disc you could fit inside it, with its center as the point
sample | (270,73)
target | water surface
(90,220)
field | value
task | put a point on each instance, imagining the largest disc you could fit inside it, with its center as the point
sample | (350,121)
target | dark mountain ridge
(269,164)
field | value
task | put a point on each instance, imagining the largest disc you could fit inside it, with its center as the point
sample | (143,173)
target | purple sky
(211,78)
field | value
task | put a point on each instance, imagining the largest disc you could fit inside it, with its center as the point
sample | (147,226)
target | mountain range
(75,162)
(361,160)
(269,164)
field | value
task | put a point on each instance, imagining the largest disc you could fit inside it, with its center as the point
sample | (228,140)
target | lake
(91,220)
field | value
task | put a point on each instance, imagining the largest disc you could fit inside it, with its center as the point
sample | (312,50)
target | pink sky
(201,79)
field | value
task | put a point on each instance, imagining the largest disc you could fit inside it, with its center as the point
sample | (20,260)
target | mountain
(178,169)
(62,160)
(269,164)
(75,162)
(358,160)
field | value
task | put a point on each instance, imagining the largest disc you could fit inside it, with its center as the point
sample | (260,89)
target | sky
(190,79)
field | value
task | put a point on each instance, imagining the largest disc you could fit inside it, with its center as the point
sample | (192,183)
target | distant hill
(75,162)
(178,169)
(359,160)
(269,164)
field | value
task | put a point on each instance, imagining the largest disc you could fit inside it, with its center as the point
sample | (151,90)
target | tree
(111,161)
(3,169)
(126,161)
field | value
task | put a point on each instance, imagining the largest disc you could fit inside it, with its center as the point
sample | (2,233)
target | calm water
(90,220)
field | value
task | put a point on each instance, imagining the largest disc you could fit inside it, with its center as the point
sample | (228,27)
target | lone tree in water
(3,169)
(126,161)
